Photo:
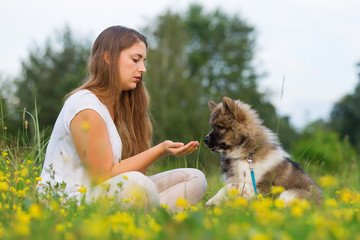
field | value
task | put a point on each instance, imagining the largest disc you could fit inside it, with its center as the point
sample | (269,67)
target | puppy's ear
(232,109)
(229,105)
(212,105)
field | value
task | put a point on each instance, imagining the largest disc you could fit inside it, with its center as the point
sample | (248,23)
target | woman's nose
(142,67)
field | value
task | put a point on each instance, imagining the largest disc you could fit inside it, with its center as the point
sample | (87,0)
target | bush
(324,148)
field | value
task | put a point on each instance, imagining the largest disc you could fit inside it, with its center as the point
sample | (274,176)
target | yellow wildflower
(83,189)
(194,209)
(21,229)
(19,179)
(259,196)
(138,195)
(24,172)
(12,189)
(298,206)
(233,192)
(63,212)
(95,228)
(330,202)
(240,202)
(233,229)
(1,230)
(277,189)
(70,236)
(4,187)
(339,232)
(22,217)
(21,193)
(164,206)
(260,236)
(4,154)
(154,225)
(328,181)
(297,211)
(180,216)
(263,205)
(38,179)
(217,211)
(5,179)
(59,228)
(348,196)
(35,211)
(279,203)
(181,202)
(85,125)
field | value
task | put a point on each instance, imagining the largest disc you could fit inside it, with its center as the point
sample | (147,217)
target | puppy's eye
(220,128)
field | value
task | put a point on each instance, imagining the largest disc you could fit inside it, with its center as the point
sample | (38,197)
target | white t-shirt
(61,153)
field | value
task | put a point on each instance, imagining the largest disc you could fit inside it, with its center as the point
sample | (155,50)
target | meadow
(27,215)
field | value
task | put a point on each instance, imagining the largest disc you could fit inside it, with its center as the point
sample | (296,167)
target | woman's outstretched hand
(178,148)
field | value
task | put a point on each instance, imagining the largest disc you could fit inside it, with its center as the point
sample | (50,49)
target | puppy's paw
(209,203)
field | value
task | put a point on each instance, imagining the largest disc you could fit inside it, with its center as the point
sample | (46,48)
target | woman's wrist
(162,149)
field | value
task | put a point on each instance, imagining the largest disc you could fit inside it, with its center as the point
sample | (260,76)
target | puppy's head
(233,124)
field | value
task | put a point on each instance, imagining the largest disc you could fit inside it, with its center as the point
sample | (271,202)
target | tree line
(193,57)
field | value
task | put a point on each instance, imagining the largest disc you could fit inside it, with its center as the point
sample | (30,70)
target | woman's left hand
(179,149)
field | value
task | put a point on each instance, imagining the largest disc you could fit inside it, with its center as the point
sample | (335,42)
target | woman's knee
(139,179)
(130,185)
(197,178)
(196,173)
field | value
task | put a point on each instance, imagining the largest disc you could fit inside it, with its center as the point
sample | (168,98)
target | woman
(103,132)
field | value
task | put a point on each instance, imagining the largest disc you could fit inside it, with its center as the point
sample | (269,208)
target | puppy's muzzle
(207,140)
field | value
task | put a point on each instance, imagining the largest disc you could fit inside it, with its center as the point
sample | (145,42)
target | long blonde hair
(131,108)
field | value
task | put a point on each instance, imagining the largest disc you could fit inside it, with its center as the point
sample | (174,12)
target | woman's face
(131,65)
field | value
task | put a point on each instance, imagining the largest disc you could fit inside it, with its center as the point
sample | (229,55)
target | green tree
(7,126)
(321,147)
(49,73)
(345,116)
(3,112)
(168,87)
(199,56)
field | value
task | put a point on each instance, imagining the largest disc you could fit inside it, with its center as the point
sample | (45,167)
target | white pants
(134,188)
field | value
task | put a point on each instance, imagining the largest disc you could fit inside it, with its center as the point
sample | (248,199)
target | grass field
(26,215)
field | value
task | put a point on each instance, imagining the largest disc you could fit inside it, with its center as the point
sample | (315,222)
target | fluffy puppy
(239,135)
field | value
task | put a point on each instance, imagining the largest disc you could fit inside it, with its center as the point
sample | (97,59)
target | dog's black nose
(207,140)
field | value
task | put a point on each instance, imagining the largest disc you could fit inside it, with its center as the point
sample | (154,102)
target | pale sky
(313,44)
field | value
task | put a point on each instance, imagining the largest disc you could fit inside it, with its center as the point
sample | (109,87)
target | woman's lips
(137,79)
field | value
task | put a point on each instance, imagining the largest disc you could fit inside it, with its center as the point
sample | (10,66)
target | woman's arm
(92,144)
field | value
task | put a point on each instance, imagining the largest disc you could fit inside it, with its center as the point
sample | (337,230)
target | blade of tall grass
(199,149)
(281,98)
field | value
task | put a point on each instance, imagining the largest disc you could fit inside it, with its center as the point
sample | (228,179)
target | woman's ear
(107,57)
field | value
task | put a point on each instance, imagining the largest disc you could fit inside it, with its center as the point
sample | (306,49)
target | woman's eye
(135,60)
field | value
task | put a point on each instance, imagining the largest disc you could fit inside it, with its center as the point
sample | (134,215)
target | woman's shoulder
(83,93)
(81,100)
